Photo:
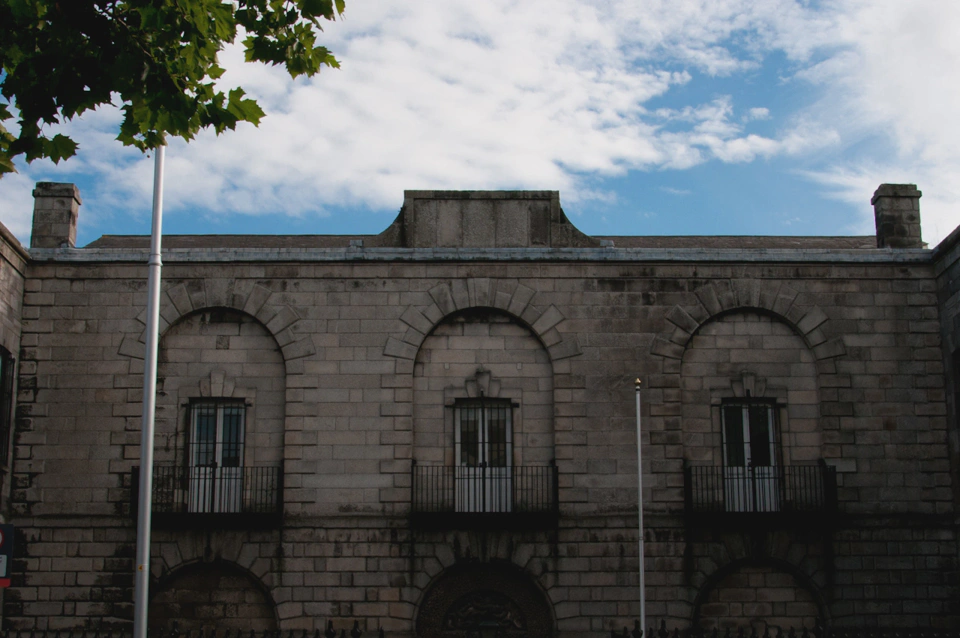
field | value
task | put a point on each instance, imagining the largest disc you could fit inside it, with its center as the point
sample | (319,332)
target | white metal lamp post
(142,574)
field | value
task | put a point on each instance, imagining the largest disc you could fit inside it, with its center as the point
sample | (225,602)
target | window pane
(204,434)
(497,436)
(232,435)
(733,435)
(760,433)
(469,437)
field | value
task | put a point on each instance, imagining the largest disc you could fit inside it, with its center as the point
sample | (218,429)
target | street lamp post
(142,574)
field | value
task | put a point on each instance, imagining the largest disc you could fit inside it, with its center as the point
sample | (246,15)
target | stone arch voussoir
(185,298)
(492,591)
(801,578)
(779,300)
(511,297)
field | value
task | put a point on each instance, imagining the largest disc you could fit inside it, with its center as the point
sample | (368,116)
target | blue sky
(652,117)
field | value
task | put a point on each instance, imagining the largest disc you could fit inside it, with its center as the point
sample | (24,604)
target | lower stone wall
(79,573)
(895,572)
(71,573)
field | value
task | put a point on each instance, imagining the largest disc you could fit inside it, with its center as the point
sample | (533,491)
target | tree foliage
(157,59)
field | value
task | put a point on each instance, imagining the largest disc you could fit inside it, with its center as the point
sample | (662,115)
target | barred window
(484,455)
(751,478)
(215,472)
(216,433)
(484,433)
(749,433)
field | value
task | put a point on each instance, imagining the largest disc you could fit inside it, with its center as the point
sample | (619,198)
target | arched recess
(466,595)
(221,357)
(185,298)
(761,593)
(483,352)
(219,595)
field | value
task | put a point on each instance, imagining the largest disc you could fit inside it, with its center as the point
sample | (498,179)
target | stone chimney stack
(896,209)
(55,208)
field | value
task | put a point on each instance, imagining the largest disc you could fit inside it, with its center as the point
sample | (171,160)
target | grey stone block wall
(364,361)
(947,268)
(13,268)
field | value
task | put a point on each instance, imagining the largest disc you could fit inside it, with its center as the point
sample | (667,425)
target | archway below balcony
(218,595)
(467,597)
(767,594)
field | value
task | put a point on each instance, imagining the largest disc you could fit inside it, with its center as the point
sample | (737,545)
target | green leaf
(317,8)
(61,58)
(6,165)
(60,147)
(244,110)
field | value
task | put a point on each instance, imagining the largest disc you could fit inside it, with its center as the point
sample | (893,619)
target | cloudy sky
(661,117)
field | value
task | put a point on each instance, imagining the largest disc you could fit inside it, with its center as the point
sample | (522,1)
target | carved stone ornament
(480,606)
(482,384)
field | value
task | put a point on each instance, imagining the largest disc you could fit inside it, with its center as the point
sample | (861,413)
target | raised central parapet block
(484,219)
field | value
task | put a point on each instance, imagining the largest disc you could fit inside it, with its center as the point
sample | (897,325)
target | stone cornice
(595,255)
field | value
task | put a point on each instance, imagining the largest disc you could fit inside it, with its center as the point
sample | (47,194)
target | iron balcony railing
(799,489)
(245,495)
(474,496)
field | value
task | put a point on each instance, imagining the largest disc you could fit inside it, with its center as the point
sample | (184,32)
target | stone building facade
(13,262)
(434,427)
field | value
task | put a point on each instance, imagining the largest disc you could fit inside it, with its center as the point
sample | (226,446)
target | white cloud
(452,95)
(897,82)
(16,205)
(558,94)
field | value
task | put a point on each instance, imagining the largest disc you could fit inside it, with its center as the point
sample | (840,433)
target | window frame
(219,404)
(484,406)
(774,443)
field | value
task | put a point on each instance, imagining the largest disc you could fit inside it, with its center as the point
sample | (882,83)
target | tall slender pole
(142,575)
(643,589)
